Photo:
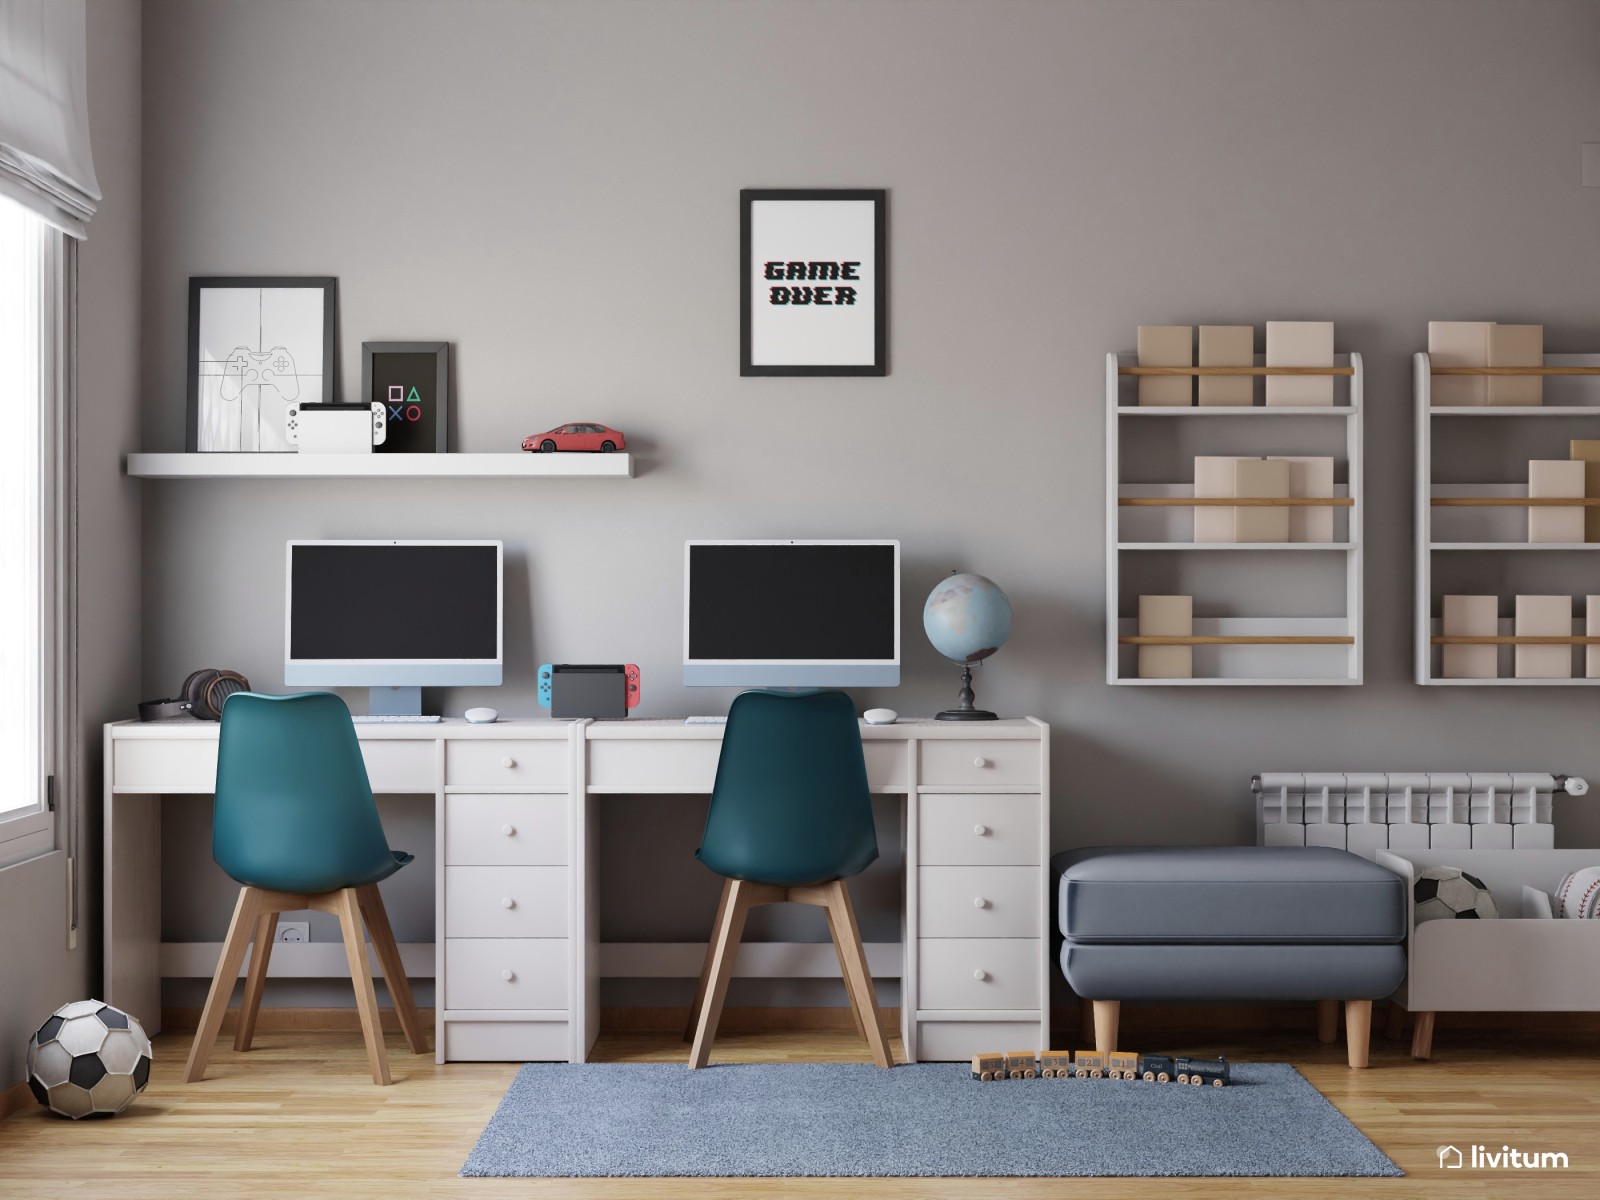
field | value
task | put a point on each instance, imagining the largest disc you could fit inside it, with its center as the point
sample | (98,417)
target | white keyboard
(705,720)
(389,719)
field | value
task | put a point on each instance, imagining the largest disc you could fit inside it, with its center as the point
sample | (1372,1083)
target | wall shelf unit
(380,466)
(1150,546)
(1472,524)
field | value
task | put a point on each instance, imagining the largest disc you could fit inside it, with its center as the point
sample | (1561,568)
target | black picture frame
(419,424)
(198,284)
(879,197)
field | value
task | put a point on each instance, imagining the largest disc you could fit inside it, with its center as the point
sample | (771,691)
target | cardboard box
(1166,346)
(1213,479)
(1300,344)
(1587,451)
(1227,346)
(1260,477)
(1591,628)
(1470,616)
(1544,616)
(1166,616)
(1555,478)
(1309,477)
(1459,344)
(1516,346)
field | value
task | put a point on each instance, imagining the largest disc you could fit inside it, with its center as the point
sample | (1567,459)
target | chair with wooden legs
(790,821)
(296,826)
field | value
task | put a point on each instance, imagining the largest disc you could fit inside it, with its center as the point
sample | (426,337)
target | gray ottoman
(1231,923)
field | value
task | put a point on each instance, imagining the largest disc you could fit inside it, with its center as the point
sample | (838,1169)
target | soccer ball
(1449,893)
(88,1059)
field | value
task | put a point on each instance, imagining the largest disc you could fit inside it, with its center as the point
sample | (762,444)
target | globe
(967,618)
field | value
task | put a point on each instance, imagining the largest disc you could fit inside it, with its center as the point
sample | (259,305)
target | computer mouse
(880,716)
(481,716)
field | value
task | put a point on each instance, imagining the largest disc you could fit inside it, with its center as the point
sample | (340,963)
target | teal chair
(295,824)
(790,820)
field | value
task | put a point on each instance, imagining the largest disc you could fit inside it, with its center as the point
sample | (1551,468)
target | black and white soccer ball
(1448,893)
(88,1059)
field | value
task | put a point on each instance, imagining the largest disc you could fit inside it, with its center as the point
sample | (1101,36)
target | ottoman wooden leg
(1106,1014)
(1357,1031)
(1422,1035)
(1327,1021)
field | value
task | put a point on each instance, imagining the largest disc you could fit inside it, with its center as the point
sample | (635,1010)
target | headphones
(202,696)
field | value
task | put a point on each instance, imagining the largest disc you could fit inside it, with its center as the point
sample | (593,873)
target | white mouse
(880,716)
(481,716)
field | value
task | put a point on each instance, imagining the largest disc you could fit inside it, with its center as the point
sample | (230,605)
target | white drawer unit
(956,1041)
(979,973)
(979,902)
(505,829)
(506,902)
(506,973)
(507,1041)
(961,830)
(164,765)
(970,763)
(530,766)
(400,766)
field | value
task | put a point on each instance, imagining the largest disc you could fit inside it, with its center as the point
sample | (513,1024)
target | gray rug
(827,1119)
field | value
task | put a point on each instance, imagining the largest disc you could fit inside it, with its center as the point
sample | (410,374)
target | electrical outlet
(294,931)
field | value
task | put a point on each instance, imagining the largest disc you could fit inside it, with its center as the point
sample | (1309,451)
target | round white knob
(508,830)
(981,830)
(507,902)
(508,762)
(508,976)
(979,902)
(980,761)
(981,975)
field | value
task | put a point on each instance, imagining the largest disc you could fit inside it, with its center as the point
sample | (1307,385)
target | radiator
(1368,811)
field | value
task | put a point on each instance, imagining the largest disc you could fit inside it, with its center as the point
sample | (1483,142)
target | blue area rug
(828,1119)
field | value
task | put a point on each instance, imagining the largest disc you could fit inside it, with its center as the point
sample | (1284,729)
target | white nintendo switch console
(336,428)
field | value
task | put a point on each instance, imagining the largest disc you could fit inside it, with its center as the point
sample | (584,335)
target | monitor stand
(394,701)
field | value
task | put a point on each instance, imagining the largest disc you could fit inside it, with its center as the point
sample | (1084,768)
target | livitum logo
(1486,1158)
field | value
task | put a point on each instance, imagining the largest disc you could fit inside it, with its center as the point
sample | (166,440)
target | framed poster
(256,345)
(813,281)
(412,381)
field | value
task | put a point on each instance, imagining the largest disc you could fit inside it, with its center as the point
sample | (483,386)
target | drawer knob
(981,830)
(508,830)
(508,976)
(508,762)
(980,761)
(979,902)
(507,902)
(981,975)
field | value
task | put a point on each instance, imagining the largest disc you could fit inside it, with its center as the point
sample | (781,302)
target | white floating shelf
(1515,546)
(1440,681)
(1220,681)
(1225,410)
(1247,546)
(380,466)
(1517,410)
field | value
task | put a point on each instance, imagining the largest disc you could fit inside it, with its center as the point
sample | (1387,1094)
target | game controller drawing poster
(412,382)
(256,346)
(814,286)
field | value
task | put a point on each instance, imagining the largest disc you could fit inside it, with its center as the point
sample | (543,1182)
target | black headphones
(202,696)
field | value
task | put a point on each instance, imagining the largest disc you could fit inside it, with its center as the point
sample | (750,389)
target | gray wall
(37,971)
(552,187)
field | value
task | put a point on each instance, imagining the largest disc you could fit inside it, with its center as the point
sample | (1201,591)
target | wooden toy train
(1088,1064)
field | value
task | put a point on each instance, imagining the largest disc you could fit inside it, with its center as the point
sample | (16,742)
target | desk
(515,806)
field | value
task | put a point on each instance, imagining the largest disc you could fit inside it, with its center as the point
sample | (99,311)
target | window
(31,377)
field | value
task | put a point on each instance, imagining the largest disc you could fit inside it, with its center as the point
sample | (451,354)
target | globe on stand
(967,618)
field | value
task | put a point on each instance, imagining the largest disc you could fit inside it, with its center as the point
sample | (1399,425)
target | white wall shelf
(1306,651)
(1571,389)
(380,466)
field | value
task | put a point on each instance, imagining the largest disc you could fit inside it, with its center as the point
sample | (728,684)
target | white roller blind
(44,112)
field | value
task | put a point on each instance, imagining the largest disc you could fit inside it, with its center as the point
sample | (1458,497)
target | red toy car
(580,435)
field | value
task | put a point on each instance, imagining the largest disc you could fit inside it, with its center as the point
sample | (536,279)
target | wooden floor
(299,1117)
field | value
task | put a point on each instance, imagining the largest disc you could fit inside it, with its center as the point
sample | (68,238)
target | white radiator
(1368,811)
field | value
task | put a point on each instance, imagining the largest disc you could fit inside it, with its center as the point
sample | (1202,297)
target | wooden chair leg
(238,940)
(858,974)
(705,968)
(370,901)
(1422,1035)
(1357,1031)
(1327,1021)
(844,971)
(348,907)
(725,948)
(1106,1015)
(255,981)
(1394,1021)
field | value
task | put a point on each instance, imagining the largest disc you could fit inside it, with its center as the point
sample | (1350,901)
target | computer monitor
(791,614)
(395,617)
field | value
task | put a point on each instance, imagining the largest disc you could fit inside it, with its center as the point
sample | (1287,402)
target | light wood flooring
(298,1116)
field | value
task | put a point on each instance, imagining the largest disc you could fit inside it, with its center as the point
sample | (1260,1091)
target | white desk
(515,807)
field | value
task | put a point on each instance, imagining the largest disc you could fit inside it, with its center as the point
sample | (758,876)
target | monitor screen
(792,613)
(400,613)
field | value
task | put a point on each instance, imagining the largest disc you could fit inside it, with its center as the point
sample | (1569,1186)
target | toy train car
(1200,1071)
(988,1067)
(1022,1064)
(1056,1064)
(1090,1064)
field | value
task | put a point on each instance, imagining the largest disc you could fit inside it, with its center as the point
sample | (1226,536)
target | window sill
(25,838)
